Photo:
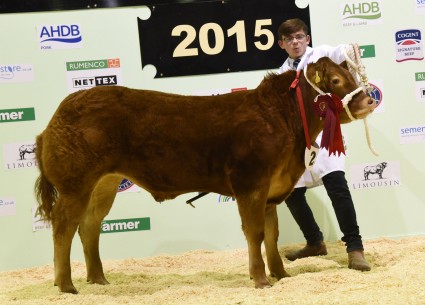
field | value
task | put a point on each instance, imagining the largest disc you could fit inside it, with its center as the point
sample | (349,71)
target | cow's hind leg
(252,211)
(101,201)
(271,231)
(66,214)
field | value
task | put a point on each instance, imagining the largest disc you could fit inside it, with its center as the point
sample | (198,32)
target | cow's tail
(45,192)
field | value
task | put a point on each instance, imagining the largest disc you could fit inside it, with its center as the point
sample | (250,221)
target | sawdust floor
(221,277)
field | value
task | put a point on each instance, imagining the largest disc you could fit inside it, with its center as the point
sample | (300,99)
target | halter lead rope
(357,70)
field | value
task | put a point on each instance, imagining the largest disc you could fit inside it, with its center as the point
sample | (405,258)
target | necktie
(295,63)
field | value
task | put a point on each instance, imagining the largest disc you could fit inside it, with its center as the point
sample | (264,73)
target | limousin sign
(215,37)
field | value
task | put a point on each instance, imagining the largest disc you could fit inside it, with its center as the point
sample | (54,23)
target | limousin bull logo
(25,150)
(374,170)
(382,174)
(19,155)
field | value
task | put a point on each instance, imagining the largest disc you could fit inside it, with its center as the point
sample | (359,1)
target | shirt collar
(291,62)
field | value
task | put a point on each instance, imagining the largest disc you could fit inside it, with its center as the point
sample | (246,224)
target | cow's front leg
(271,230)
(252,210)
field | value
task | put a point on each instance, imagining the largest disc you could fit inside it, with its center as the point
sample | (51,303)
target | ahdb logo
(59,37)
(355,13)
(408,44)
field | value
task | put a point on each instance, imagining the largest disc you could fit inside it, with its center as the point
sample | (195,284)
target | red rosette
(328,106)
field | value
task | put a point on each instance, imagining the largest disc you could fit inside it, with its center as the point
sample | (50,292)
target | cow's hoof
(66,288)
(280,275)
(262,284)
(69,289)
(101,280)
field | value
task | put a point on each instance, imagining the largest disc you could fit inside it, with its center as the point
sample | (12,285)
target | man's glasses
(299,38)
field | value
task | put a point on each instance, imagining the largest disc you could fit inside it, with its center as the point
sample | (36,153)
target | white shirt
(324,164)
(336,54)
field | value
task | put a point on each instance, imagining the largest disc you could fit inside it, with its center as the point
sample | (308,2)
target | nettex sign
(92,73)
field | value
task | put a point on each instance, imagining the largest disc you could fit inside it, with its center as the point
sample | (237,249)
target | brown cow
(247,144)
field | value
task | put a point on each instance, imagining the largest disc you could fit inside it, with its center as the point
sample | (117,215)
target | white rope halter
(357,70)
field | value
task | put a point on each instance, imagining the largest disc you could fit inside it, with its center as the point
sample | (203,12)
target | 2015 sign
(229,36)
(238,30)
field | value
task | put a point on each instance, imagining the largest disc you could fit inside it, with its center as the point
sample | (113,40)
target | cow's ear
(344,64)
(316,72)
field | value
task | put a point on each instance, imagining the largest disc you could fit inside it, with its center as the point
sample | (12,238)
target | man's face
(295,44)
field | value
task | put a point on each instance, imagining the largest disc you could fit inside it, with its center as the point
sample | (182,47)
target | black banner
(24,6)
(215,37)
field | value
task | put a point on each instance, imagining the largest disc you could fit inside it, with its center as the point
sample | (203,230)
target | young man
(329,170)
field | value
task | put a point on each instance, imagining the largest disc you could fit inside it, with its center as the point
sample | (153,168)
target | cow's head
(332,78)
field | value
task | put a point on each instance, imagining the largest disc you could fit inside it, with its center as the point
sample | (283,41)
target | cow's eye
(335,81)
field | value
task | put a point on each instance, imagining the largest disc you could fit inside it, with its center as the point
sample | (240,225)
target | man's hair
(291,26)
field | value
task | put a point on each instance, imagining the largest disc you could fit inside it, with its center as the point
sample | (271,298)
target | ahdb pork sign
(63,36)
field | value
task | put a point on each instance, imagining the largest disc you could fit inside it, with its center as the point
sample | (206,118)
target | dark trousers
(339,193)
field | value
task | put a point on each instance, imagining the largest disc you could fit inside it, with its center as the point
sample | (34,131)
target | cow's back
(162,141)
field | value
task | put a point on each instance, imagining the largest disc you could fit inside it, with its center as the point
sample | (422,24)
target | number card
(310,156)
(215,36)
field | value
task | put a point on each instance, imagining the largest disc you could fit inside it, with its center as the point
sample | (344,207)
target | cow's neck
(314,123)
